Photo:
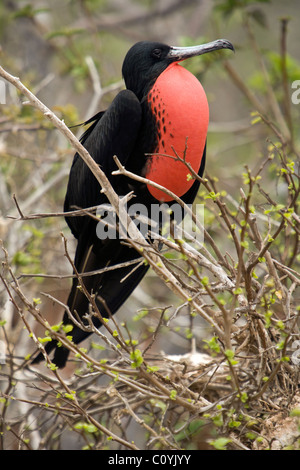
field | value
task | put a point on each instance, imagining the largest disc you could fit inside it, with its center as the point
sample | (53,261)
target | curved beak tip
(228,45)
(221,44)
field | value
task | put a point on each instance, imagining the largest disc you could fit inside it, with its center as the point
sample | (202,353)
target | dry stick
(221,206)
(92,301)
(135,237)
(99,92)
(204,182)
(110,370)
(142,423)
(122,171)
(102,368)
(75,213)
(214,268)
(85,274)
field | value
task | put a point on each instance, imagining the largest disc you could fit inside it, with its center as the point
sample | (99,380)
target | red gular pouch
(179,104)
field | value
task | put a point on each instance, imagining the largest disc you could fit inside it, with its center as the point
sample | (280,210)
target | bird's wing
(113,132)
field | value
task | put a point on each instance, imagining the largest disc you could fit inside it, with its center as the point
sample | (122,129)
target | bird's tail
(116,273)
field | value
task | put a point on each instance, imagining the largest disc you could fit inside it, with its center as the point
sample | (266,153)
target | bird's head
(145,61)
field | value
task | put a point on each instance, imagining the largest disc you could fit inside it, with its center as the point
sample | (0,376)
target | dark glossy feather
(111,133)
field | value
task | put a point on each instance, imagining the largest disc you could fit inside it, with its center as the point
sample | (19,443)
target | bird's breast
(179,105)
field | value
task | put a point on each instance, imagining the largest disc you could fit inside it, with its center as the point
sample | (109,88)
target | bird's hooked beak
(182,53)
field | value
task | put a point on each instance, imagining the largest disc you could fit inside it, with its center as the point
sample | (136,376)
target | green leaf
(87,427)
(295,412)
(243,397)
(234,424)
(220,443)
(212,195)
(70,396)
(245,245)
(238,291)
(137,358)
(45,340)
(205,281)
(213,344)
(218,420)
(152,369)
(98,346)
(67,328)
(141,314)
(229,353)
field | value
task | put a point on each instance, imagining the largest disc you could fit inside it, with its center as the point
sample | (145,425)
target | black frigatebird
(163,108)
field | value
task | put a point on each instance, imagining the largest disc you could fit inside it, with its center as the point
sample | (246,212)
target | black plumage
(128,129)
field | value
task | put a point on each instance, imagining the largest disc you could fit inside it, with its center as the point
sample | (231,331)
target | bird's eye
(156,53)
